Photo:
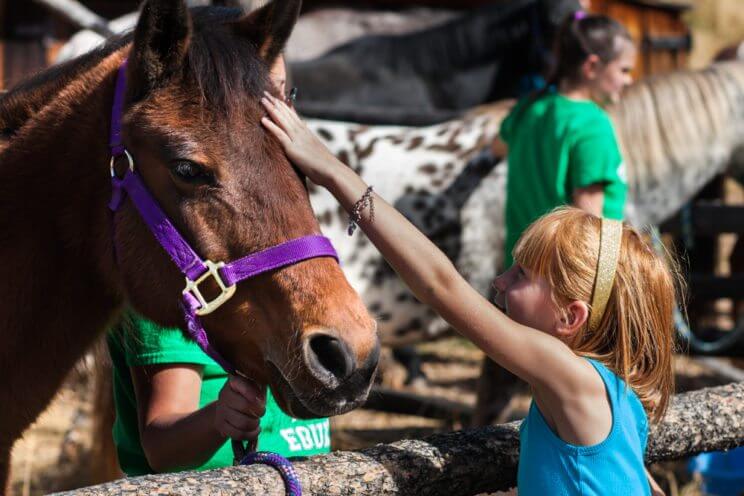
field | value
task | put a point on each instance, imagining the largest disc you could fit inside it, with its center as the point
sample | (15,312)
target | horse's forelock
(224,67)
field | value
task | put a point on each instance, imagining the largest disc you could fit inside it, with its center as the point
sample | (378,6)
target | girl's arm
(590,199)
(174,432)
(499,148)
(536,357)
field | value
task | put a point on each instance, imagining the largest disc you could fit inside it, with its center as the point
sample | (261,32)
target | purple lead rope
(196,270)
(281,464)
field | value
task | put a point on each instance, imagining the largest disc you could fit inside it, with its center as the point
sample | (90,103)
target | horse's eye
(191,172)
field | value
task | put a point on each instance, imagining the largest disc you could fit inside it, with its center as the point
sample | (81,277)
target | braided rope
(284,466)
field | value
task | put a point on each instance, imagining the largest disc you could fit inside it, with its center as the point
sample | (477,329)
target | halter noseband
(196,270)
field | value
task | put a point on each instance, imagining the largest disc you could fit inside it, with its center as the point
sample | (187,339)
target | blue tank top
(549,465)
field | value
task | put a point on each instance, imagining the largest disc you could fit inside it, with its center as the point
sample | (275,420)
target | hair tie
(579,15)
(610,239)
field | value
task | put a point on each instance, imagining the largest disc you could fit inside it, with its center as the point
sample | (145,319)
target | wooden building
(658,28)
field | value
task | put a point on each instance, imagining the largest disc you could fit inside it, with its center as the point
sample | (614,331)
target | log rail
(452,464)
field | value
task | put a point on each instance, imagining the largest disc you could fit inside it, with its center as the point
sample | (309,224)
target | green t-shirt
(138,342)
(558,145)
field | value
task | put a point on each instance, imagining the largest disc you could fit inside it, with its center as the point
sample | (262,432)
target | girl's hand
(239,409)
(302,147)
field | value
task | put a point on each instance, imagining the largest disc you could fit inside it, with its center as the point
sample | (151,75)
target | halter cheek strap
(195,269)
(610,239)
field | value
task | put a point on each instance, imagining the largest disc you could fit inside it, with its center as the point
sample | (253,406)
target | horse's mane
(680,129)
(236,69)
(29,96)
(221,67)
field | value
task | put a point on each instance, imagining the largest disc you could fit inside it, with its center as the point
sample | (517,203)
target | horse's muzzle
(341,385)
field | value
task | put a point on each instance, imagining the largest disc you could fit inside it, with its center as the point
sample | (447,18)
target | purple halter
(196,270)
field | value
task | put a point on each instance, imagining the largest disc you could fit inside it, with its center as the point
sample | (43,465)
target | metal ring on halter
(113,160)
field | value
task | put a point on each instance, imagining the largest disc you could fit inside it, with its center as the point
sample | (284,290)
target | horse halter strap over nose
(196,270)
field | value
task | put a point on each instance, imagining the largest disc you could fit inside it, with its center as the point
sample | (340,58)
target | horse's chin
(322,404)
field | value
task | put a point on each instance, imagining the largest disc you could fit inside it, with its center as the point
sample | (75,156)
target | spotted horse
(431,175)
(676,133)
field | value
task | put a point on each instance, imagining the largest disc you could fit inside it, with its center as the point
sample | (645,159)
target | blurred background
(68,446)
(31,35)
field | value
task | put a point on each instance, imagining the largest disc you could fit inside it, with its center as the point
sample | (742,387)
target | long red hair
(635,337)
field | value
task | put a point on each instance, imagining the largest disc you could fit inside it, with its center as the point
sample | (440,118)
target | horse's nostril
(331,355)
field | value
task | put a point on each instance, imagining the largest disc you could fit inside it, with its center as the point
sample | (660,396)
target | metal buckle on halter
(113,163)
(192,287)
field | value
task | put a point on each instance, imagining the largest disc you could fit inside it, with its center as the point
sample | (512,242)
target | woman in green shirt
(561,143)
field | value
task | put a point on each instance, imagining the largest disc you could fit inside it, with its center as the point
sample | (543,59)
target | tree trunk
(458,463)
(496,387)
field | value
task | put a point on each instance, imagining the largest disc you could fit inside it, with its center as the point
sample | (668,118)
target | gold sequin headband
(610,237)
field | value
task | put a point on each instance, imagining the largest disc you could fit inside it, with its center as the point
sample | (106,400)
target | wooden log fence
(459,463)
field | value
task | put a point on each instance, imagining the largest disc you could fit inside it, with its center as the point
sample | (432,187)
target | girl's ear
(575,315)
(591,67)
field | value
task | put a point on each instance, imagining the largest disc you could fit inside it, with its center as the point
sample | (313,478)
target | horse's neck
(466,41)
(18,107)
(449,144)
(59,290)
(23,102)
(677,133)
(55,171)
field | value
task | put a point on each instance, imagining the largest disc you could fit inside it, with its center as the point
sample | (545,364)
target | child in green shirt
(176,409)
(562,148)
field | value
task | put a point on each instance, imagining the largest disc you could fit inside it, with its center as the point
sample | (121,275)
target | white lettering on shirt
(312,436)
(304,434)
(289,436)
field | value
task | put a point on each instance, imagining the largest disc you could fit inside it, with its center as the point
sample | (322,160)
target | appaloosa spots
(343,156)
(429,169)
(415,143)
(325,219)
(325,134)
(418,182)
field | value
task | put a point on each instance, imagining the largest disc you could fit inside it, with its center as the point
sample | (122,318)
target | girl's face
(608,80)
(526,299)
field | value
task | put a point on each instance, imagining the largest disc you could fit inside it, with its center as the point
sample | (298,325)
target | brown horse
(192,125)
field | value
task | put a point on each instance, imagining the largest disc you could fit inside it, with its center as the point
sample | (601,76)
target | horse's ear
(270,26)
(161,41)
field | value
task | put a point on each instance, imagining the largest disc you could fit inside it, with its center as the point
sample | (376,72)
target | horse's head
(192,125)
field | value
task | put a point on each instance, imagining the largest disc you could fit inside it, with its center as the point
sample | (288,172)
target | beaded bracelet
(359,206)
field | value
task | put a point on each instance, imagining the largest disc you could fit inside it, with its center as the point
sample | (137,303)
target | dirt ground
(56,452)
